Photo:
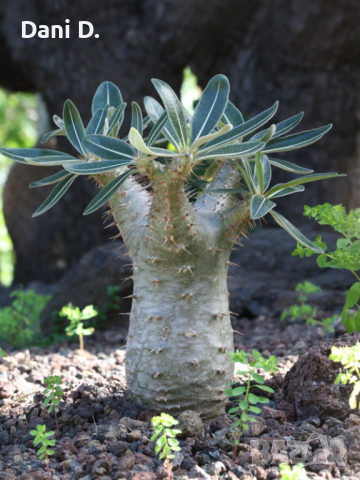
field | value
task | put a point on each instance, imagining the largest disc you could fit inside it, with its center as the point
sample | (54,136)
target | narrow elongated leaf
(174,109)
(57,177)
(137,119)
(57,192)
(108,148)
(95,167)
(74,127)
(232,115)
(21,155)
(58,121)
(210,108)
(155,111)
(233,151)
(258,174)
(60,132)
(97,123)
(304,179)
(116,119)
(266,173)
(288,166)
(206,138)
(287,125)
(106,94)
(106,193)
(287,191)
(294,232)
(297,140)
(243,129)
(260,206)
(137,142)
(52,161)
(156,130)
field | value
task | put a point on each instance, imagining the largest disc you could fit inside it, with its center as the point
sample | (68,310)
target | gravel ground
(103,435)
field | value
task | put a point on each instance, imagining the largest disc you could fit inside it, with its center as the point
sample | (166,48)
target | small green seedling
(76,318)
(349,357)
(2,353)
(345,256)
(298,472)
(304,311)
(42,437)
(248,400)
(166,442)
(54,394)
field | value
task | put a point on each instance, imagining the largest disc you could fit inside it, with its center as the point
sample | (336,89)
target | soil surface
(104,435)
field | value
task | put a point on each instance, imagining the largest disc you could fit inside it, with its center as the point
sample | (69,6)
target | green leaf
(137,119)
(260,206)
(287,125)
(263,400)
(116,119)
(108,148)
(342,242)
(265,388)
(297,140)
(253,398)
(58,121)
(21,155)
(232,151)
(106,193)
(254,409)
(232,115)
(258,177)
(357,320)
(210,108)
(287,191)
(288,166)
(74,127)
(137,142)
(155,111)
(106,94)
(258,378)
(50,180)
(157,128)
(97,123)
(206,138)
(2,353)
(321,260)
(53,161)
(241,130)
(238,391)
(304,179)
(294,232)
(244,405)
(57,192)
(352,295)
(174,109)
(60,132)
(94,168)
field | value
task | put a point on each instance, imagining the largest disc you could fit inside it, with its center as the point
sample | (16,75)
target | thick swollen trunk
(180,331)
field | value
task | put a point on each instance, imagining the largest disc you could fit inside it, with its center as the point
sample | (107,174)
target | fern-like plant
(179,238)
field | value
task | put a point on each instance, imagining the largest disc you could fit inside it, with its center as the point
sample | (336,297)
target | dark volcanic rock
(309,385)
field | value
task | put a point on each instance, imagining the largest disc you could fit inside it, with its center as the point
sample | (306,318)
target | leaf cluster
(166,443)
(19,321)
(248,401)
(297,472)
(304,311)
(42,437)
(215,134)
(53,393)
(345,256)
(349,357)
(77,318)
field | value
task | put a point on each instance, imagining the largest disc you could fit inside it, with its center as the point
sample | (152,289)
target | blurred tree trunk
(304,54)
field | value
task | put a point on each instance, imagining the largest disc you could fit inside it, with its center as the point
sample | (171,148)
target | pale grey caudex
(182,190)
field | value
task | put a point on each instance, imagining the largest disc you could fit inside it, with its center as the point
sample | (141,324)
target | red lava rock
(289,410)
(141,459)
(144,476)
(279,415)
(309,385)
(147,415)
(7,390)
(126,463)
